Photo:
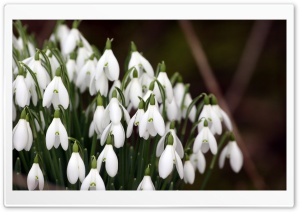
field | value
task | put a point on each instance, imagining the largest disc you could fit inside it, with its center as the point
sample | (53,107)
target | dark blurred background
(261,112)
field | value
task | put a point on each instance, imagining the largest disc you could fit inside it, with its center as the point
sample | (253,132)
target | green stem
(213,161)
(94,142)
(22,157)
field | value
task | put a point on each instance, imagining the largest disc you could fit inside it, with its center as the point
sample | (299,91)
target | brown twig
(213,86)
(248,61)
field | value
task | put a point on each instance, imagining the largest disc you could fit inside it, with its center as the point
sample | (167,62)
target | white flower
(72,68)
(14,112)
(92,129)
(177,143)
(205,141)
(99,82)
(189,172)
(146,184)
(152,121)
(22,134)
(116,84)
(221,113)
(165,82)
(109,63)
(139,62)
(93,180)
(98,116)
(233,152)
(62,33)
(145,81)
(133,91)
(172,109)
(53,61)
(85,73)
(210,115)
(19,86)
(42,75)
(167,160)
(109,157)
(198,161)
(56,133)
(31,47)
(117,130)
(83,54)
(56,93)
(75,168)
(136,118)
(35,176)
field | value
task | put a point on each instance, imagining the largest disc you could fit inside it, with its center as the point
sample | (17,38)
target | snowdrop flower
(22,134)
(152,121)
(221,113)
(42,75)
(93,180)
(205,141)
(188,171)
(136,118)
(61,33)
(109,63)
(146,184)
(133,91)
(139,62)
(72,67)
(165,82)
(150,92)
(209,114)
(74,37)
(75,168)
(167,160)
(198,161)
(117,130)
(98,116)
(113,112)
(84,76)
(56,93)
(57,133)
(177,143)
(109,157)
(31,47)
(173,111)
(21,90)
(35,176)
(145,81)
(99,82)
(82,55)
(233,152)
(92,129)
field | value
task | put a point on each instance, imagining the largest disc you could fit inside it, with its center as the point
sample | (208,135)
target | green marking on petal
(150,120)
(56,133)
(55,91)
(205,141)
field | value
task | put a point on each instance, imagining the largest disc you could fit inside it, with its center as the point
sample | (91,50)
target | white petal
(236,158)
(179,165)
(205,147)
(130,127)
(158,122)
(160,146)
(70,41)
(113,66)
(105,134)
(111,162)
(98,117)
(189,172)
(41,178)
(63,94)
(86,182)
(226,120)
(119,135)
(22,94)
(126,114)
(91,129)
(223,157)
(31,178)
(101,158)
(72,169)
(30,138)
(20,136)
(135,92)
(115,112)
(216,122)
(50,135)
(81,168)
(99,182)
(198,142)
(165,164)
(201,162)
(143,124)
(212,143)
(179,147)
(146,65)
(48,94)
(147,184)
(63,135)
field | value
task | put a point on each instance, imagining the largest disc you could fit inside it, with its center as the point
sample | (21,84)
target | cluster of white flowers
(50,77)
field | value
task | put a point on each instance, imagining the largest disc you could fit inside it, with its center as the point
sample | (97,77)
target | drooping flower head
(35,176)
(93,180)
(75,168)
(133,91)
(21,90)
(136,118)
(146,184)
(188,170)
(221,113)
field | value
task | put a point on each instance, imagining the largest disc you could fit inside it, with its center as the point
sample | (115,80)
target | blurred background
(248,62)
